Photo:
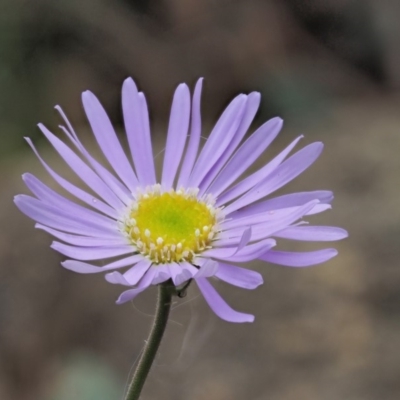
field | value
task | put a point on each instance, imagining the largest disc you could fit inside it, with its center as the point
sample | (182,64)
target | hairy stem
(165,292)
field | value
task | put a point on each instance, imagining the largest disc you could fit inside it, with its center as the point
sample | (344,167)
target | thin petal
(207,268)
(124,194)
(136,125)
(252,104)
(115,185)
(219,139)
(56,218)
(130,277)
(86,174)
(255,178)
(162,274)
(246,155)
(188,269)
(312,233)
(194,138)
(82,241)
(245,237)
(283,174)
(218,304)
(177,133)
(91,253)
(271,224)
(298,259)
(145,282)
(74,190)
(107,140)
(237,276)
(248,253)
(116,278)
(178,275)
(85,268)
(49,196)
(285,201)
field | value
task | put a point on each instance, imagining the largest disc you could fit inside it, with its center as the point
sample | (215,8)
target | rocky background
(331,69)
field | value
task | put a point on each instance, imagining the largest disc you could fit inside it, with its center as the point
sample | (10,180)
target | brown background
(331,69)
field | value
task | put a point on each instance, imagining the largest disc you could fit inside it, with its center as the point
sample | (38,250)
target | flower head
(196,222)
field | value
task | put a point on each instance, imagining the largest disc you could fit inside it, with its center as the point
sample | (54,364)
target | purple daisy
(198,221)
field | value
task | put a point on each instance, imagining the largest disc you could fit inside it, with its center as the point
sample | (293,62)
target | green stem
(165,292)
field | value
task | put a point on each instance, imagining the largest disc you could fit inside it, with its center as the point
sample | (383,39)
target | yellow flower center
(171,226)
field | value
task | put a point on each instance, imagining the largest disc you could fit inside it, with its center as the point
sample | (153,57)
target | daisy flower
(201,219)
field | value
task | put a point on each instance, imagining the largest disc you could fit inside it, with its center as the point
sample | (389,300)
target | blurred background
(331,69)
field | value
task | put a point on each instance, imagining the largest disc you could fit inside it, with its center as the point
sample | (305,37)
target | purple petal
(283,216)
(114,184)
(107,140)
(252,104)
(130,277)
(111,181)
(246,155)
(248,253)
(136,120)
(135,274)
(188,269)
(82,241)
(218,304)
(285,201)
(237,276)
(116,278)
(85,173)
(219,139)
(312,233)
(319,208)
(74,190)
(162,274)
(283,174)
(91,253)
(271,224)
(174,271)
(177,132)
(255,178)
(194,138)
(245,237)
(69,130)
(49,196)
(178,275)
(85,268)
(56,218)
(207,268)
(298,259)
(143,285)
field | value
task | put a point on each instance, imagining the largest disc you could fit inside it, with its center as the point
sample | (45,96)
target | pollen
(172,226)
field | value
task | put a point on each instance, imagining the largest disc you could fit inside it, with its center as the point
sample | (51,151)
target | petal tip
(87,95)
(129,83)
(250,318)
(18,198)
(112,277)
(124,297)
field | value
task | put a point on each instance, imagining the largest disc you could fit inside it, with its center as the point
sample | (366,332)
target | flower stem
(165,292)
